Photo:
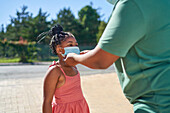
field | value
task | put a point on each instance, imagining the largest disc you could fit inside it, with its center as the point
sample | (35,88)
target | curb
(19,63)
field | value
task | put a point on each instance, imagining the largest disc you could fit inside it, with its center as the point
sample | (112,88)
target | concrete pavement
(21,89)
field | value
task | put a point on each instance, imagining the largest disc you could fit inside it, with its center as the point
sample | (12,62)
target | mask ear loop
(62,53)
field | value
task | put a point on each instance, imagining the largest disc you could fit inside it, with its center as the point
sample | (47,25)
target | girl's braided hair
(57,35)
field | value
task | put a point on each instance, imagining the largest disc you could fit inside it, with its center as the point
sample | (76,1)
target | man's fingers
(83,52)
(62,59)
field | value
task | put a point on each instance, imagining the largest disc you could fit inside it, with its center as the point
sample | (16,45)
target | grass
(15,60)
(9,60)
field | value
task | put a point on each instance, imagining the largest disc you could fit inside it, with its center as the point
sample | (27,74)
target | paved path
(21,88)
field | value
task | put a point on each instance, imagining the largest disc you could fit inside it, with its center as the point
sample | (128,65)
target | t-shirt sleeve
(125,27)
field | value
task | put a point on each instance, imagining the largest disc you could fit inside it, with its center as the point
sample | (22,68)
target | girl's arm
(50,83)
(95,59)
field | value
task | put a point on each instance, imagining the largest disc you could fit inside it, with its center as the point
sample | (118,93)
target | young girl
(62,88)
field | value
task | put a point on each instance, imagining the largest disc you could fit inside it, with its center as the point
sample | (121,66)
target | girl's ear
(60,50)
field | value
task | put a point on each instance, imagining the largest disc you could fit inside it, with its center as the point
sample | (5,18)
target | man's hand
(61,60)
(84,52)
(69,60)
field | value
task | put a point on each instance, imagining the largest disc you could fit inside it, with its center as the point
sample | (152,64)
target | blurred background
(24,62)
(22,21)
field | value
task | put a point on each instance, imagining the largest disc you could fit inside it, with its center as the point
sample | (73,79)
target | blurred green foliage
(87,28)
(18,49)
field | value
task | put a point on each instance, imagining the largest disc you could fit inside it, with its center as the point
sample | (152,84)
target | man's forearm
(95,59)
(89,59)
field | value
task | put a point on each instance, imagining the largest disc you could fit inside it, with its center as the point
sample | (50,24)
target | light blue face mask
(74,49)
(112,1)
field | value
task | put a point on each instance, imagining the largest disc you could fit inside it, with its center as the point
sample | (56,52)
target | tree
(2,32)
(26,26)
(65,18)
(90,20)
(39,24)
(68,21)
(101,29)
(19,25)
(3,47)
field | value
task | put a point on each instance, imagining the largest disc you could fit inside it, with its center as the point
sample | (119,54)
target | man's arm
(95,59)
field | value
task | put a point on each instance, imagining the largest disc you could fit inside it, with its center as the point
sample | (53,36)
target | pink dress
(69,97)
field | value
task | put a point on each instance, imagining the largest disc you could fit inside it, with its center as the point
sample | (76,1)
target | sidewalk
(104,94)
(24,95)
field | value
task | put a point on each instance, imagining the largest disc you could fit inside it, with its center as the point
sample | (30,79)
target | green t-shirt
(139,32)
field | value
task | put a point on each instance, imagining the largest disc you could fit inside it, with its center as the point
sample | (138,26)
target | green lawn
(15,60)
(9,60)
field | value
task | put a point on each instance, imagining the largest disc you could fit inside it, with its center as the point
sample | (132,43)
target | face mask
(71,50)
(112,1)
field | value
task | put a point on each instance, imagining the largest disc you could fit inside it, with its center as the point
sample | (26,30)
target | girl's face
(68,42)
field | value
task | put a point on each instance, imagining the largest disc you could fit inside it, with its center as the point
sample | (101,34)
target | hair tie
(56,30)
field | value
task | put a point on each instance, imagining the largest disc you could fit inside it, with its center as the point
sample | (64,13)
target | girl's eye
(72,45)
